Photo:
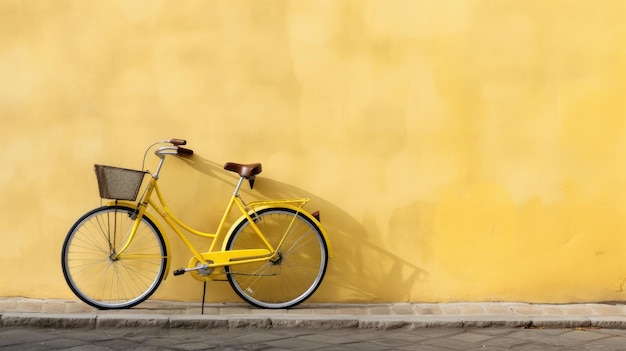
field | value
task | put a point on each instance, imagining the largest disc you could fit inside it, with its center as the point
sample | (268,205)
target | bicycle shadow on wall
(360,268)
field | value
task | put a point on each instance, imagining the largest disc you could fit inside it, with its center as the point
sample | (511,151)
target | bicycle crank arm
(182,271)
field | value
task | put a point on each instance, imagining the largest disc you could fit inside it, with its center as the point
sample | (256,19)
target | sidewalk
(23,312)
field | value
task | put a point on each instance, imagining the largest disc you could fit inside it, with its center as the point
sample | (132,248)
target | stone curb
(103,321)
(49,313)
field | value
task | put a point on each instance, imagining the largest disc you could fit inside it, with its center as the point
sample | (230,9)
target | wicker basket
(118,183)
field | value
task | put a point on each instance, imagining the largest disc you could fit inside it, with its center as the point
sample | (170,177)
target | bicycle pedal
(180,271)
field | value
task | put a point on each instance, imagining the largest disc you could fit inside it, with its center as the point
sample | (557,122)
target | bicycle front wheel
(94,270)
(293,274)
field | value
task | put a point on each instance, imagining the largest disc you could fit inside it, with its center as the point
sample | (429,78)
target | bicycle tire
(297,272)
(98,279)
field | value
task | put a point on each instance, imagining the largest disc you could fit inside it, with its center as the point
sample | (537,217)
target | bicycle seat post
(236,192)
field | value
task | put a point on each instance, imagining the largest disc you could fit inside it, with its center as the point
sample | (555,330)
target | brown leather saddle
(244,170)
(248,171)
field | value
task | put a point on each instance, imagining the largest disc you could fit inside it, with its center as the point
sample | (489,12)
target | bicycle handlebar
(162,151)
(182,150)
(178,142)
(171,150)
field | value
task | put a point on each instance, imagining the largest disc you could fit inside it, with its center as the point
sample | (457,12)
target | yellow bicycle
(115,256)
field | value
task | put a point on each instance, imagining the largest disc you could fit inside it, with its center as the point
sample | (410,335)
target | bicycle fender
(133,206)
(282,205)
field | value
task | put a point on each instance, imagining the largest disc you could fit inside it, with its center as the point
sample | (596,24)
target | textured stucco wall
(458,150)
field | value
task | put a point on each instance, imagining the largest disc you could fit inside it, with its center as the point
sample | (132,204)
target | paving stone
(210,311)
(506,342)
(305,311)
(583,335)
(318,322)
(53,307)
(352,311)
(498,309)
(95,335)
(450,344)
(379,310)
(383,323)
(427,309)
(132,320)
(42,320)
(408,335)
(293,344)
(250,322)
(439,322)
(78,307)
(495,321)
(554,310)
(88,348)
(402,309)
(329,339)
(8,304)
(528,310)
(578,310)
(63,343)
(470,337)
(471,309)
(198,322)
(192,346)
(392,342)
(118,344)
(257,338)
(17,336)
(606,309)
(29,305)
(450,310)
(560,322)
(421,347)
(492,331)
(29,347)
(260,311)
(608,322)
(547,337)
(611,332)
(616,341)
(233,311)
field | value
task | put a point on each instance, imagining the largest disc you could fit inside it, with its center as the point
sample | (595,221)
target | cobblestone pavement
(427,339)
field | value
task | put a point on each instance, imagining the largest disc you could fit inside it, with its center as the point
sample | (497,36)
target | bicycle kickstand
(203,297)
(204,267)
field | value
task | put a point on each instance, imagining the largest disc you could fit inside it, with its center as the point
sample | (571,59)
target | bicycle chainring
(201,274)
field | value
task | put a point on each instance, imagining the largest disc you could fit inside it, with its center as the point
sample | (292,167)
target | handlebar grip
(178,141)
(182,150)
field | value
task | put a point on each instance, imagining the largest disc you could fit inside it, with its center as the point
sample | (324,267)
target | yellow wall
(459,150)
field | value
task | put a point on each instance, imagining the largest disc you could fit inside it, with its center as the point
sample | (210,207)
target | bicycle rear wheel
(297,270)
(93,271)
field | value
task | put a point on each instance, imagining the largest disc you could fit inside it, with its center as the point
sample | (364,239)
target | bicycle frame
(214,257)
